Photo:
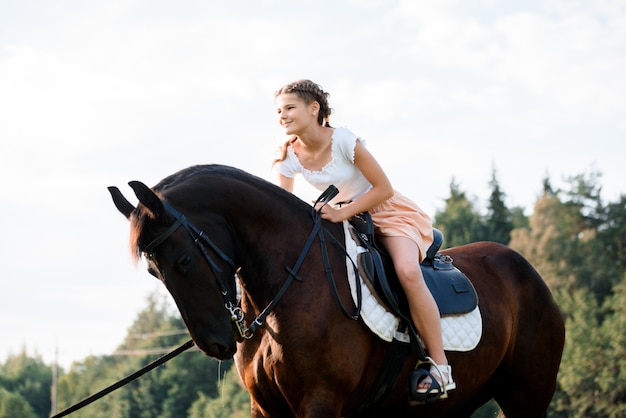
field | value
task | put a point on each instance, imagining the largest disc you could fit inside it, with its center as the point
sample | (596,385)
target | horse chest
(259,364)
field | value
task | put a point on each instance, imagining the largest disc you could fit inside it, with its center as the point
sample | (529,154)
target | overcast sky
(94,94)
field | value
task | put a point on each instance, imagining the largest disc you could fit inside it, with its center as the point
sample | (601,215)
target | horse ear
(148,198)
(120,202)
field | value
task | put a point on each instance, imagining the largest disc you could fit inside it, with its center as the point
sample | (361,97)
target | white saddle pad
(459,332)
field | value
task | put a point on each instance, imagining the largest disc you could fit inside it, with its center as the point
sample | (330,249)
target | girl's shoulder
(344,141)
(343,133)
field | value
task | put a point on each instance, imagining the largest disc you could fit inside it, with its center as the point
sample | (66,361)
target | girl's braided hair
(308,92)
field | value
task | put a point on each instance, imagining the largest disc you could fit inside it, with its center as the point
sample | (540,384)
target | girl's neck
(316,138)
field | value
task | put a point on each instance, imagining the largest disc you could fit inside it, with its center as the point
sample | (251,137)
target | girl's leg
(424,311)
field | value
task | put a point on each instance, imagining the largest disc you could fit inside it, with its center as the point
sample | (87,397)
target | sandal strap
(446,380)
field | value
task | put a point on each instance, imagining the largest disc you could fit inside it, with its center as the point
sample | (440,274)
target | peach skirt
(399,216)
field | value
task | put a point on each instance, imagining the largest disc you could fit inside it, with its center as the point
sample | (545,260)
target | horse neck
(271,237)
(268,227)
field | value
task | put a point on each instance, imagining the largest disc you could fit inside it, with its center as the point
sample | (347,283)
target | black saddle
(450,288)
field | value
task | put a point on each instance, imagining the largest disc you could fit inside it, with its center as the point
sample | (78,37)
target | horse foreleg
(314,407)
(320,406)
(256,411)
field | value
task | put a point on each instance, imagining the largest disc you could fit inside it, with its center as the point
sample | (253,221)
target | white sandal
(438,378)
(443,375)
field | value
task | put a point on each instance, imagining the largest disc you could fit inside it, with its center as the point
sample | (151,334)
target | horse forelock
(140,217)
(138,220)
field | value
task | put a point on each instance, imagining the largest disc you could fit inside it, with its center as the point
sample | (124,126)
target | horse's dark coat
(309,360)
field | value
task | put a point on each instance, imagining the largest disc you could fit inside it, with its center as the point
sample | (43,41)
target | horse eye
(183,264)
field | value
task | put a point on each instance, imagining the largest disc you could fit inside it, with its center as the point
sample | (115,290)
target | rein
(237,315)
(319,231)
(90,399)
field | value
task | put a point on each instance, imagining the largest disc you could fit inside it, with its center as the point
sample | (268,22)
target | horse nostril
(218,351)
(225,352)
(228,352)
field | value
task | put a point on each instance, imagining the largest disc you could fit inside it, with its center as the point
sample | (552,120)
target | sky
(94,94)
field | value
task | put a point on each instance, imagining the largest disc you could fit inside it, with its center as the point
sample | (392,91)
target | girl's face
(294,115)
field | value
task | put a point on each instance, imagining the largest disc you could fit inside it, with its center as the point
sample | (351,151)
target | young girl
(325,156)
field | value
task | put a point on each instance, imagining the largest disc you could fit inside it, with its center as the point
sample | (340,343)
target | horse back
(518,307)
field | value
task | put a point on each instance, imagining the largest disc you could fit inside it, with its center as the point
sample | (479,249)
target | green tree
(459,221)
(611,235)
(519,218)
(233,402)
(13,405)
(535,242)
(191,375)
(498,223)
(30,378)
(88,377)
(584,193)
(583,357)
(568,236)
(592,378)
(612,378)
(165,392)
(576,243)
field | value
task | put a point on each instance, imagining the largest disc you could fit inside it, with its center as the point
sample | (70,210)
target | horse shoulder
(258,362)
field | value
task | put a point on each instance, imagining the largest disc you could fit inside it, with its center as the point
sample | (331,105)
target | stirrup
(436,390)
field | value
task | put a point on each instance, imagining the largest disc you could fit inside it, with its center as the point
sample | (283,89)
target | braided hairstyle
(308,92)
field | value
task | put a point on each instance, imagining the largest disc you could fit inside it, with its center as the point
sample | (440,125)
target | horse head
(198,273)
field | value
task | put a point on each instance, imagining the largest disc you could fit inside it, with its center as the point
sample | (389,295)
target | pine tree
(498,223)
(459,221)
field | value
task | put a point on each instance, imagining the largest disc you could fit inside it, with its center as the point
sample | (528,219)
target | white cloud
(573,58)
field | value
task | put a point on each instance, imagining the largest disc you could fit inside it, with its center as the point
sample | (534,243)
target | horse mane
(234,174)
(196,172)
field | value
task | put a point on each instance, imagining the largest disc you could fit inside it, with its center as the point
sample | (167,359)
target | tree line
(574,239)
(577,242)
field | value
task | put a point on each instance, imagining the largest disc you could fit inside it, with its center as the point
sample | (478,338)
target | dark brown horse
(299,355)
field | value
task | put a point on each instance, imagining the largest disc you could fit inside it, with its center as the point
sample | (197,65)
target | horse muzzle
(217,350)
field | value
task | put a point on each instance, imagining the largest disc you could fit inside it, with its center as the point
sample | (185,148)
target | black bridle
(200,239)
(231,304)
(237,316)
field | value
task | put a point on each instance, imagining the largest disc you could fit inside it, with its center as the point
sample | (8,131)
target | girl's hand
(330,213)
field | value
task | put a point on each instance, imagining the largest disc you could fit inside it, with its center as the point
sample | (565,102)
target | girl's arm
(381,187)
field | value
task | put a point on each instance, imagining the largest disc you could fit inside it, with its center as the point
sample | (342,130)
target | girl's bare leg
(424,310)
